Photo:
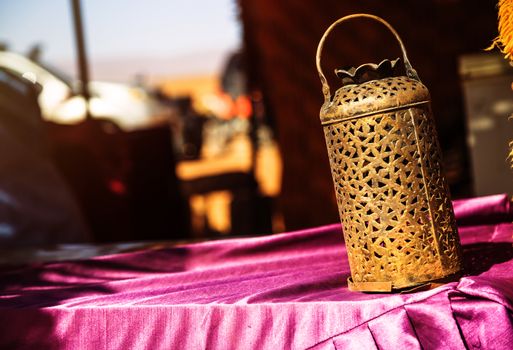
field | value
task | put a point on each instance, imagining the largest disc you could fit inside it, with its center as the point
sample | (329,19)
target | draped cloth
(283,291)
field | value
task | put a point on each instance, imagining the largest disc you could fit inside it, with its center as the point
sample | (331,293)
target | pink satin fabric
(284,291)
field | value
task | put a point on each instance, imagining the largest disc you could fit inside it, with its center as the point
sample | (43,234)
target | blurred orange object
(242,107)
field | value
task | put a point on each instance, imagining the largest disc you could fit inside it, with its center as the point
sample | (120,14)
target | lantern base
(387,286)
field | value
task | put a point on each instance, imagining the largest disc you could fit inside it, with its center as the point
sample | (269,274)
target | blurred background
(181,120)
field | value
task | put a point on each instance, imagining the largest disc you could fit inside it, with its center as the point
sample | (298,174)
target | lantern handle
(410,72)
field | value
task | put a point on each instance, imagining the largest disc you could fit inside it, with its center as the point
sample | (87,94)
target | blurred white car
(129,107)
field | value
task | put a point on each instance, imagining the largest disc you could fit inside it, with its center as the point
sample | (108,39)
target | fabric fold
(392,330)
(357,339)
(483,210)
(434,323)
(484,324)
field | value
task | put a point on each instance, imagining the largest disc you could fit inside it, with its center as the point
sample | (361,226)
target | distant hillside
(153,69)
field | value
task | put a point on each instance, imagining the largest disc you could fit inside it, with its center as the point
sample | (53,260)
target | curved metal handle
(410,72)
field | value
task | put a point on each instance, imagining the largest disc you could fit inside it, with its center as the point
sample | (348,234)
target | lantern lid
(369,71)
(373,96)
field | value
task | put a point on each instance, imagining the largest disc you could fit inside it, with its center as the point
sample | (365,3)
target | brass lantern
(386,165)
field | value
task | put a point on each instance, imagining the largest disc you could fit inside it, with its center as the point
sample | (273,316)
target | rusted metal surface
(386,165)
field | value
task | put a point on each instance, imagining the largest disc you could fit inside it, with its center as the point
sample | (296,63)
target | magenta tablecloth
(285,291)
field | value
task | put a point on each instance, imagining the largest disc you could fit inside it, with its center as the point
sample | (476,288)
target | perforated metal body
(392,196)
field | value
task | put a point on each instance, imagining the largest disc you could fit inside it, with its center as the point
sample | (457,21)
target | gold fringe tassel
(504,40)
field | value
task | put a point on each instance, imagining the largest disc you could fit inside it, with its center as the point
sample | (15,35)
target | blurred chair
(125,181)
(93,157)
(250,212)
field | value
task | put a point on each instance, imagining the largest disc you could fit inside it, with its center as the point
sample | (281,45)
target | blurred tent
(36,205)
